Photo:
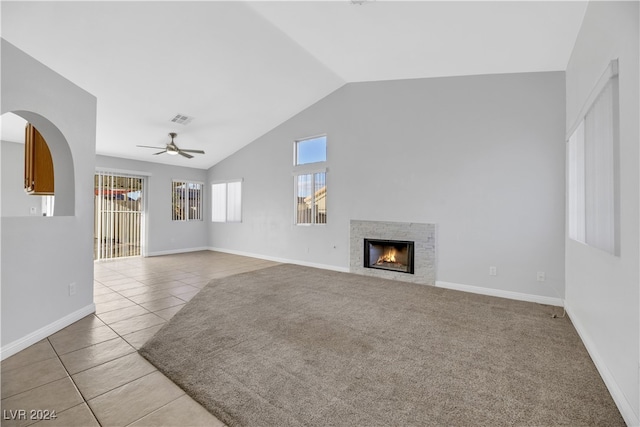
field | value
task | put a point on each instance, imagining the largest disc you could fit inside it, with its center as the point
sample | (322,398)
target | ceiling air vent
(181,119)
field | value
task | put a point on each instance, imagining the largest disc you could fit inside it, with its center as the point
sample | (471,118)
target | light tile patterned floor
(90,373)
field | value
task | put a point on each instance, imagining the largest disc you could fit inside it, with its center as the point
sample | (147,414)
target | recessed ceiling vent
(181,119)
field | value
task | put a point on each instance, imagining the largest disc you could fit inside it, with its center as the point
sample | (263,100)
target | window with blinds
(593,168)
(310,180)
(119,215)
(186,201)
(226,201)
(311,198)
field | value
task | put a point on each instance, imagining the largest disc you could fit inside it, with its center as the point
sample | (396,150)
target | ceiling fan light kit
(172,149)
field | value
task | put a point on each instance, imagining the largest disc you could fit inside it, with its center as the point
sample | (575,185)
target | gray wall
(480,156)
(163,234)
(602,295)
(42,256)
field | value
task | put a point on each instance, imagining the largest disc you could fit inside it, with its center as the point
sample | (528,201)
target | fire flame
(388,256)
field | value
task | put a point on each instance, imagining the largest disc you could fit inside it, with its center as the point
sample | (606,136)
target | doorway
(119,215)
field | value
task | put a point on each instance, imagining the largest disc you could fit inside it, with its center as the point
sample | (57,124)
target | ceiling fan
(173,149)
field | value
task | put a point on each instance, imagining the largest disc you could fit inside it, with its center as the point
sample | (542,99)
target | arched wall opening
(62,164)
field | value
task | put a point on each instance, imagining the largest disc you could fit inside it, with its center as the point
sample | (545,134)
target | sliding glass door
(119,215)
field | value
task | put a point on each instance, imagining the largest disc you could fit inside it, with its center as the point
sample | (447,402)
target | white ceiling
(242,68)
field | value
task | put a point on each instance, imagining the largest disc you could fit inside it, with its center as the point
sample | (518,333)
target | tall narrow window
(226,202)
(592,157)
(186,201)
(311,196)
(310,180)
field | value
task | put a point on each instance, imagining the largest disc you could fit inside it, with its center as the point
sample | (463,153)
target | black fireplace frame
(410,254)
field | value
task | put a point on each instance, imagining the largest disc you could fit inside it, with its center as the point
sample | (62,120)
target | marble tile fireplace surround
(422,237)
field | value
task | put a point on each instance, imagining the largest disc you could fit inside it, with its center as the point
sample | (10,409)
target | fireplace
(394,255)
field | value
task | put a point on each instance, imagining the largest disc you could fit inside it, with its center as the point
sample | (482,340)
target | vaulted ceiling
(239,69)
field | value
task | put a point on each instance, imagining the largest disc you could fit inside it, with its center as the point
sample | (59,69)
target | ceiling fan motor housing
(173,149)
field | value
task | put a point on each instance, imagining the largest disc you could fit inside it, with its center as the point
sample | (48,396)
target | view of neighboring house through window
(310,180)
(593,168)
(226,201)
(186,201)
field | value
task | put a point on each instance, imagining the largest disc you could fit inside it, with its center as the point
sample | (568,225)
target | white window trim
(610,72)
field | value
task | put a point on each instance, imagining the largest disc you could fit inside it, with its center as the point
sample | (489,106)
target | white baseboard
(282,260)
(42,333)
(501,293)
(625,408)
(176,251)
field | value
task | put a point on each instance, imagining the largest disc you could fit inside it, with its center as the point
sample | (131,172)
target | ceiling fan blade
(182,153)
(193,151)
(149,146)
(160,152)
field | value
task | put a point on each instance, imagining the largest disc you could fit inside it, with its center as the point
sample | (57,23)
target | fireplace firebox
(394,255)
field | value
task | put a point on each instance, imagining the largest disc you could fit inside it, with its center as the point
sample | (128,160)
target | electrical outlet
(493,271)
(541,276)
(33,210)
(72,289)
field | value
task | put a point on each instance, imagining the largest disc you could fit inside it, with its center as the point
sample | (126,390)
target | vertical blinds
(593,169)
(118,215)
(186,201)
(311,198)
(226,202)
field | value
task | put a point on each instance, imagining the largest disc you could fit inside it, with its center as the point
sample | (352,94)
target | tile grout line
(74,385)
(196,288)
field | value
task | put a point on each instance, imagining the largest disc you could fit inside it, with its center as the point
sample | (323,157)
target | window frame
(237,206)
(296,144)
(593,168)
(314,204)
(311,168)
(200,211)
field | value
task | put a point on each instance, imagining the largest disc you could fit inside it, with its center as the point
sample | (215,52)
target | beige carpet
(291,345)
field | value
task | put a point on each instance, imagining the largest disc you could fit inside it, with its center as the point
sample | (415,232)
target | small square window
(311,150)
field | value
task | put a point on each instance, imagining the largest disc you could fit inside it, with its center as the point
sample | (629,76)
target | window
(226,202)
(592,169)
(186,201)
(310,185)
(310,150)
(311,196)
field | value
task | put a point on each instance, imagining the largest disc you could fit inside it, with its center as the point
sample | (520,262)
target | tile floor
(90,373)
